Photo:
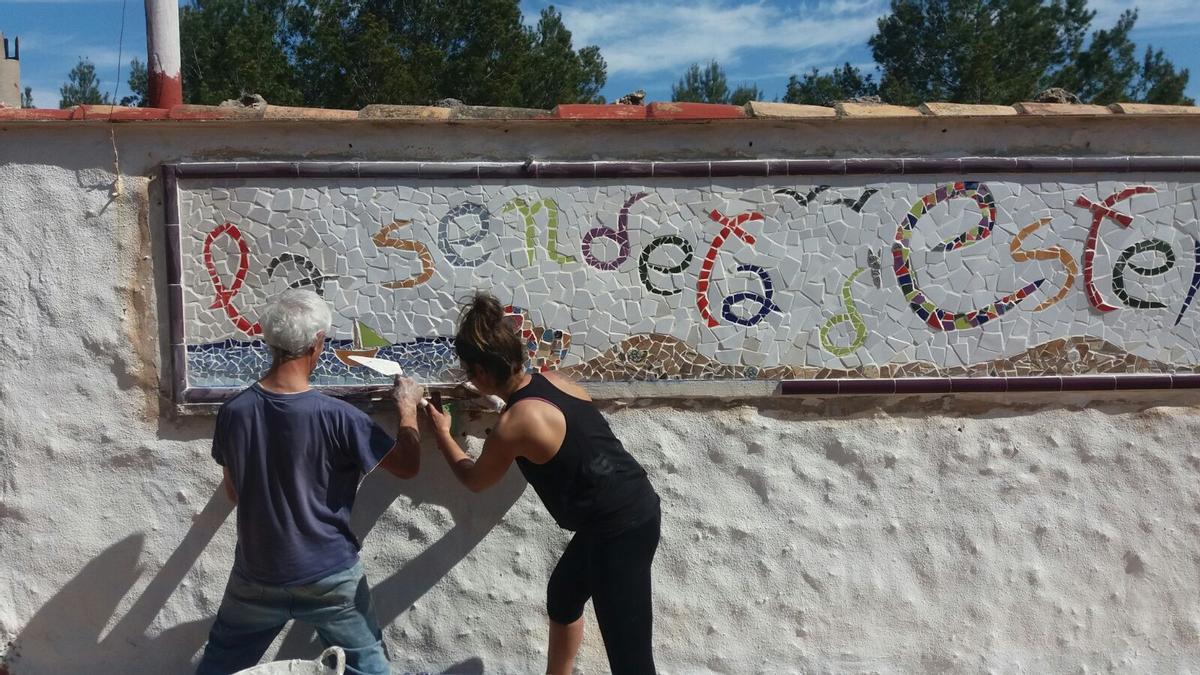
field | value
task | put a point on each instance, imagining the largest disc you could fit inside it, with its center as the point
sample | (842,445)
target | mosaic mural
(653,278)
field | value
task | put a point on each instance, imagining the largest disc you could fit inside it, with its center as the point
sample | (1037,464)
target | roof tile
(1152,109)
(189,111)
(853,109)
(599,111)
(34,114)
(767,109)
(116,113)
(694,111)
(1031,108)
(403,112)
(284,112)
(966,110)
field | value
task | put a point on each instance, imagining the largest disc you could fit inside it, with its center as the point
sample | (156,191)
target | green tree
(1105,70)
(138,85)
(702,85)
(840,84)
(472,50)
(82,87)
(1001,51)
(1159,82)
(554,71)
(1108,70)
(27,98)
(235,47)
(350,53)
(744,93)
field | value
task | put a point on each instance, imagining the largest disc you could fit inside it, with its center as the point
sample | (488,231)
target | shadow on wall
(474,515)
(67,634)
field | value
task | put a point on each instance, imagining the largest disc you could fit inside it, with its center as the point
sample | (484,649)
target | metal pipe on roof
(163,62)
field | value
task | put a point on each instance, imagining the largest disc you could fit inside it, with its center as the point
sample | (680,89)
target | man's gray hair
(291,321)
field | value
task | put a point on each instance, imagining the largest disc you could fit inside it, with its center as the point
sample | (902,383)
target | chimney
(10,73)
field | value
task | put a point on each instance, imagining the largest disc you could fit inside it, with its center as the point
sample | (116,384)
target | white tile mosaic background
(816,247)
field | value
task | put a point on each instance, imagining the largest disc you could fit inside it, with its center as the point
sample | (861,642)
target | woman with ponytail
(584,476)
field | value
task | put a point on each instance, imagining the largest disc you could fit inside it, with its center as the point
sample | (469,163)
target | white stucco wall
(968,533)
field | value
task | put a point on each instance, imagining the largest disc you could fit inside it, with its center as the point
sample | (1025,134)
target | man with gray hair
(293,460)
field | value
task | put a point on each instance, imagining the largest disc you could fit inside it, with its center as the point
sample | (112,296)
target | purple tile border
(922,385)
(977,385)
(623,169)
(576,170)
(1185,381)
(830,387)
(175,334)
(685,169)
(757,167)
(170,188)
(682,170)
(964,385)
(874,166)
(816,167)
(1153,381)
(179,374)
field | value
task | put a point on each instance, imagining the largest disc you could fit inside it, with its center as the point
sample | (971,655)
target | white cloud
(58,48)
(657,36)
(43,96)
(1151,13)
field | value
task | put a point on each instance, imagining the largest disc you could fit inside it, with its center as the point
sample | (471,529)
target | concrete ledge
(599,111)
(403,112)
(966,110)
(1153,109)
(1031,108)
(769,110)
(874,110)
(694,111)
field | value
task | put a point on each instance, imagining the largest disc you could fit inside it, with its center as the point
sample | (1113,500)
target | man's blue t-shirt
(296,461)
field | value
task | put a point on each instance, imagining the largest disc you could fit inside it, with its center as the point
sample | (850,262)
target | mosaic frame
(182,393)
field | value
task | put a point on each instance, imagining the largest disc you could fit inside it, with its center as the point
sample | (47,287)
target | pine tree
(138,84)
(840,84)
(82,87)
(702,85)
(1002,51)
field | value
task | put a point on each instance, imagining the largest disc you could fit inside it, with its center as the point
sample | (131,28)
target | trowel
(383,367)
(391,368)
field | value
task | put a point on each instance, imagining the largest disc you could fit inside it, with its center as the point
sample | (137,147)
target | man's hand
(406,394)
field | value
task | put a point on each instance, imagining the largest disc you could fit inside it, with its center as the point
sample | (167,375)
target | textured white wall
(866,534)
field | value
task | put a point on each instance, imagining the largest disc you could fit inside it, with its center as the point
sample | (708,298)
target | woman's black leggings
(615,573)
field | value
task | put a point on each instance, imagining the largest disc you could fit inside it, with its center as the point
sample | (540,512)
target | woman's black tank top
(592,484)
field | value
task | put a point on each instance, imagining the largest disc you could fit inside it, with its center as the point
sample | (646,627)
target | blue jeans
(251,616)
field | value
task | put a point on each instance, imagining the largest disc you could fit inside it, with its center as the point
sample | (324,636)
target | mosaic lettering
(733,278)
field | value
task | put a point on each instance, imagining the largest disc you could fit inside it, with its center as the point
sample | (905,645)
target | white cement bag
(300,667)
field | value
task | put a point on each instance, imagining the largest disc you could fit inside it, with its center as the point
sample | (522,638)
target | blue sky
(647,43)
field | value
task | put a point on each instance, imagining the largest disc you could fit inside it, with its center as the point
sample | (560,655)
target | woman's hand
(438,417)
(406,394)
